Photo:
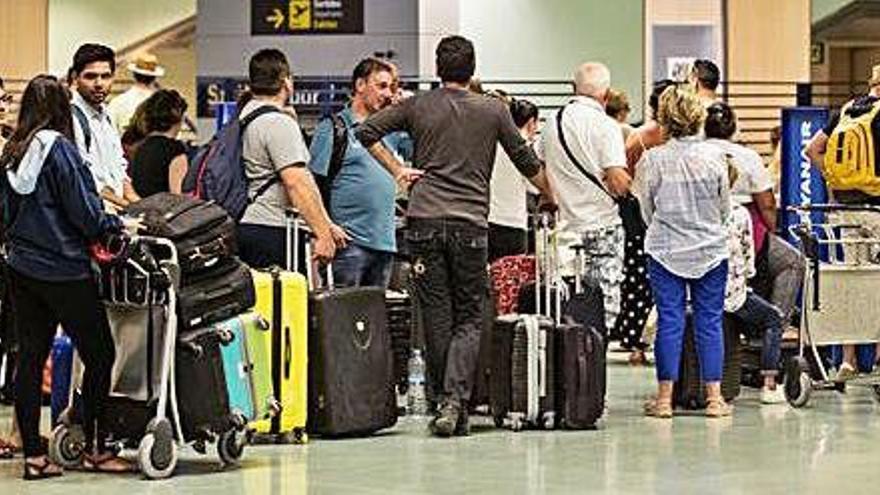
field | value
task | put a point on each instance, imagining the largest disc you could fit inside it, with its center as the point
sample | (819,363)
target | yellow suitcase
(282,299)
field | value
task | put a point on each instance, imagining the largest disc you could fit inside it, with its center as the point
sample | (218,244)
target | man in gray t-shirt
(275,157)
(455,134)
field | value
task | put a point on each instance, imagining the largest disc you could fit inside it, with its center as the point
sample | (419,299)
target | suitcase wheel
(798,383)
(549,421)
(67,445)
(157,453)
(300,437)
(516,424)
(230,446)
(499,421)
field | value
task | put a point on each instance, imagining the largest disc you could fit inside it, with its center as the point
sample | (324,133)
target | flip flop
(40,470)
(110,464)
(8,450)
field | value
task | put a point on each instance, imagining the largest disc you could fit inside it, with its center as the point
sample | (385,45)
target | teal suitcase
(250,391)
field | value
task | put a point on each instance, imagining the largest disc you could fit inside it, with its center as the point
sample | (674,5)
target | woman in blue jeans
(685,196)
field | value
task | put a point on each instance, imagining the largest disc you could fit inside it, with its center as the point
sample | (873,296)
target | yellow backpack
(851,162)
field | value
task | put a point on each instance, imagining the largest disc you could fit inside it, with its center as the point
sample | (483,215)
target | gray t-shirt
(271,143)
(454,134)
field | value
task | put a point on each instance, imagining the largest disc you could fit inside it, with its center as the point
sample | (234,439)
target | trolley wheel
(157,453)
(230,446)
(67,445)
(798,384)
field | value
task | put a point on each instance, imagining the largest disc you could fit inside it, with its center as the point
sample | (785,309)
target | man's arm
(304,196)
(404,176)
(816,147)
(370,134)
(612,159)
(525,159)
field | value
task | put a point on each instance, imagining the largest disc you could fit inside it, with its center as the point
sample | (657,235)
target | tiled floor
(831,447)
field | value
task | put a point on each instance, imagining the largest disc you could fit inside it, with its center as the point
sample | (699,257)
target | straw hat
(147,64)
(875,76)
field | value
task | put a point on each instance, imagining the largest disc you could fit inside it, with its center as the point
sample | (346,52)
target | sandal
(718,408)
(107,463)
(8,450)
(37,470)
(658,409)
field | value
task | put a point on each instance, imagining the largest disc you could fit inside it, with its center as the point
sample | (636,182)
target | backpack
(340,147)
(218,173)
(851,157)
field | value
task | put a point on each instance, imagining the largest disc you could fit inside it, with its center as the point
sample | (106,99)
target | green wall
(547,39)
(822,8)
(116,23)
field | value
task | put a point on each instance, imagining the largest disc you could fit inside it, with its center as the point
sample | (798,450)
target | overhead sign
(290,17)
(311,97)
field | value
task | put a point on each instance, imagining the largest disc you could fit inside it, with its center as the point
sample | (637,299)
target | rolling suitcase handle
(547,257)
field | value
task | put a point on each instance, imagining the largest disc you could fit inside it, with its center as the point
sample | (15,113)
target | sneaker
(845,372)
(445,423)
(774,396)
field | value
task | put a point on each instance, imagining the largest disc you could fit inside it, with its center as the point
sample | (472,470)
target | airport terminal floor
(824,448)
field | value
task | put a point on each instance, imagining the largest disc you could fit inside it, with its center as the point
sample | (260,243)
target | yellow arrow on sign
(277,18)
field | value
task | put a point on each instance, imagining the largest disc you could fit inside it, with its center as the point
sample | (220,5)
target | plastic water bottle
(416,400)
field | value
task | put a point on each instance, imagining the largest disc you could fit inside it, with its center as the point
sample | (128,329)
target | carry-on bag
(202,396)
(247,380)
(580,354)
(215,295)
(689,391)
(61,371)
(351,380)
(509,275)
(202,231)
(522,378)
(398,306)
(282,300)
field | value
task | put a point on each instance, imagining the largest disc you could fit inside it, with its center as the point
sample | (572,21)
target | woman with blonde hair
(685,198)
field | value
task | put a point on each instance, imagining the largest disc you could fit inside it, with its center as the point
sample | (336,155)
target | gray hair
(592,79)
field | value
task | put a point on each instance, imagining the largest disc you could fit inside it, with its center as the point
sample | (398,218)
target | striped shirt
(685,196)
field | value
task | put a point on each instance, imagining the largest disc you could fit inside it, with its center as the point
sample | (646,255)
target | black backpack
(340,147)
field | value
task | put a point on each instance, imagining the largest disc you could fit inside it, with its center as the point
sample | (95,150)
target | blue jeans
(707,300)
(758,314)
(357,266)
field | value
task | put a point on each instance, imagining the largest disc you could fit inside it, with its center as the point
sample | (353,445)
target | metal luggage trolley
(839,302)
(135,284)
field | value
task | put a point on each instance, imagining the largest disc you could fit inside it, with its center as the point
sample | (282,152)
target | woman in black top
(159,163)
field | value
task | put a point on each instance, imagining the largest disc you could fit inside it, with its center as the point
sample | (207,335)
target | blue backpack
(217,173)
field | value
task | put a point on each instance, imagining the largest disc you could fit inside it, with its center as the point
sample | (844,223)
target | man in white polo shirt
(586,210)
(94,67)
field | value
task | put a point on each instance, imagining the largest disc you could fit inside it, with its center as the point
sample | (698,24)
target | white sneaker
(775,396)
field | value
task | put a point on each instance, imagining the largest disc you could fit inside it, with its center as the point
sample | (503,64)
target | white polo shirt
(104,155)
(596,141)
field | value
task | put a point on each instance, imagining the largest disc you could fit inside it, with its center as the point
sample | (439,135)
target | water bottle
(416,401)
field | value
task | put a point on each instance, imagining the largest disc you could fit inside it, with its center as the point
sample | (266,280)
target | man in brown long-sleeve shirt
(455,134)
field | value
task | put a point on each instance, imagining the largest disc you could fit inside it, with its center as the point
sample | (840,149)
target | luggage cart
(141,282)
(839,306)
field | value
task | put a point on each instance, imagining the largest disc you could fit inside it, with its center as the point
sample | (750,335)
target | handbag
(628,206)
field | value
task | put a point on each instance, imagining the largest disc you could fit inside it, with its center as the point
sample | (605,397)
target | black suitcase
(522,376)
(398,307)
(581,375)
(215,295)
(689,391)
(202,397)
(351,381)
(480,393)
(202,231)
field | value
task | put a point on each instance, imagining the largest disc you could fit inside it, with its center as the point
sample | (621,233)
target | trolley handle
(832,207)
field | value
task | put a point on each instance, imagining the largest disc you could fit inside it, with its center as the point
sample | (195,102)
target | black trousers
(40,307)
(449,275)
(506,241)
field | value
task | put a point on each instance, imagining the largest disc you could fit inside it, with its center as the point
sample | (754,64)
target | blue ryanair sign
(802,183)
